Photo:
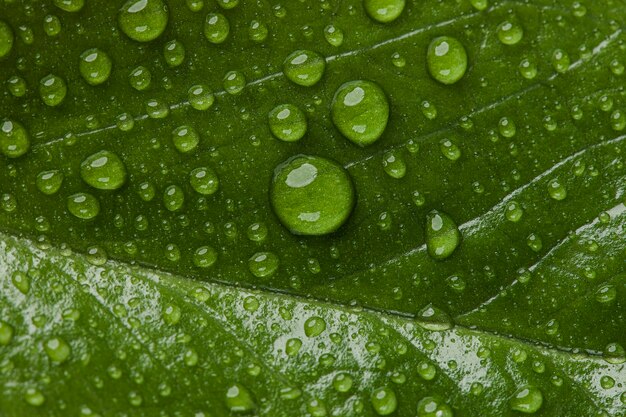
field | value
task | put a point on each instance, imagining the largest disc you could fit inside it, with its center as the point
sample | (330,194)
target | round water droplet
(204,257)
(342,382)
(433,407)
(384,11)
(263,264)
(200,97)
(513,211)
(185,138)
(257,31)
(21,281)
(6,39)
(17,86)
(613,353)
(528,69)
(334,36)
(228,4)
(557,190)
(140,78)
(52,25)
(433,318)
(534,242)
(394,165)
(34,397)
(173,198)
(57,349)
(312,195)
(14,139)
(384,401)
(360,111)
(292,347)
(480,4)
(426,370)
(560,61)
(446,59)
(239,399)
(216,28)
(143,20)
(234,82)
(103,170)
(606,294)
(449,149)
(52,90)
(204,180)
(84,206)
(442,235)
(174,53)
(618,120)
(95,66)
(510,33)
(6,333)
(287,122)
(527,400)
(257,232)
(314,326)
(507,127)
(69,5)
(171,314)
(304,67)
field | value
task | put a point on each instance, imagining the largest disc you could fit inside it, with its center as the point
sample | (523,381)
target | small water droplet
(304,67)
(510,33)
(95,66)
(527,400)
(384,11)
(263,264)
(287,122)
(216,28)
(103,170)
(239,399)
(143,20)
(442,235)
(57,349)
(446,59)
(14,139)
(185,138)
(83,206)
(433,407)
(384,401)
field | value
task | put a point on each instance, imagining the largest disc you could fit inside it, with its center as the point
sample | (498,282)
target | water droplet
(384,401)
(334,36)
(433,407)
(103,170)
(57,349)
(534,242)
(527,400)
(618,120)
(513,211)
(216,28)
(456,283)
(614,353)
(140,78)
(287,122)
(143,20)
(6,39)
(426,370)
(480,4)
(171,314)
(205,257)
(394,165)
(360,111)
(449,149)
(239,399)
(125,122)
(617,68)
(257,31)
(21,281)
(447,60)
(560,61)
(95,66)
(384,11)
(442,235)
(292,347)
(200,97)
(263,264)
(606,294)
(174,53)
(52,90)
(429,110)
(173,198)
(528,69)
(51,25)
(69,5)
(204,181)
(84,206)
(6,333)
(510,33)
(301,196)
(507,127)
(342,382)
(304,67)
(227,4)
(34,397)
(17,86)
(234,82)
(557,190)
(185,138)
(14,139)
(316,408)
(96,255)
(433,318)
(257,232)
(314,326)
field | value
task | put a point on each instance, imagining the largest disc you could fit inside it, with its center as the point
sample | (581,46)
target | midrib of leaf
(331,58)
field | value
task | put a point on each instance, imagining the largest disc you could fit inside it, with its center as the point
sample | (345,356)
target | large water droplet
(204,181)
(6,39)
(433,407)
(510,33)
(527,400)
(447,59)
(14,139)
(143,20)
(103,170)
(216,28)
(312,195)
(84,206)
(304,67)
(239,399)
(314,326)
(6,333)
(287,122)
(442,235)
(360,111)
(204,257)
(433,318)
(263,264)
(52,90)
(384,401)
(69,5)
(384,11)
(57,349)
(185,138)
(95,66)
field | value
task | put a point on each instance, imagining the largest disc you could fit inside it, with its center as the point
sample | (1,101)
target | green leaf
(467,161)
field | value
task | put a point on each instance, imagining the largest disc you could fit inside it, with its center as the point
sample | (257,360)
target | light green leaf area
(312,208)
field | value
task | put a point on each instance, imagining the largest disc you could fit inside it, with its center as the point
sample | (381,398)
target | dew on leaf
(51,25)
(171,314)
(17,86)
(173,198)
(34,397)
(618,120)
(156,109)
(257,31)
(342,382)
(560,61)
(527,400)
(433,406)
(510,33)
(143,20)
(21,281)
(263,264)
(292,347)
(234,82)
(433,318)
(239,399)
(204,257)
(446,59)
(507,127)
(6,39)
(216,28)
(185,138)
(360,111)
(6,333)
(69,5)
(57,349)
(384,401)
(304,67)
(95,66)
(287,122)
(124,122)
(613,353)
(14,139)
(606,294)
(227,4)
(528,69)
(428,110)
(334,36)
(480,4)
(301,198)
(174,53)
(442,235)
(394,165)
(557,190)
(449,149)
(314,326)
(200,97)
(83,205)
(204,181)
(257,232)
(534,242)
(140,78)
(426,370)
(316,408)
(384,11)
(103,170)
(52,90)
